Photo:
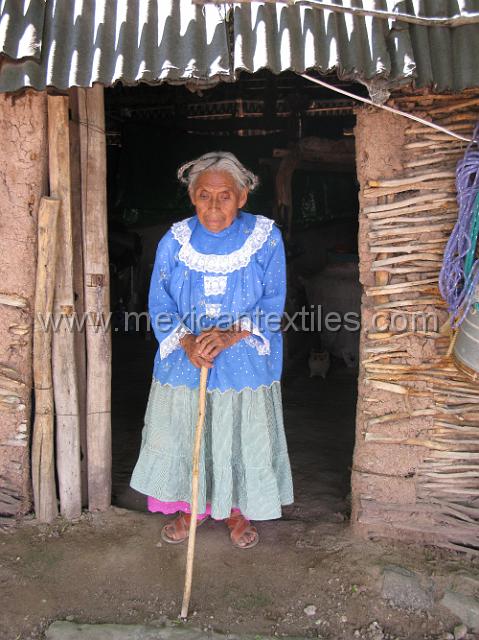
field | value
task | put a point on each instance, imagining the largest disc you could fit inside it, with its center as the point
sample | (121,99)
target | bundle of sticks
(407,221)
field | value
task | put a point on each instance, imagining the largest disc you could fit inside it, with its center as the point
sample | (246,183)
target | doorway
(298,138)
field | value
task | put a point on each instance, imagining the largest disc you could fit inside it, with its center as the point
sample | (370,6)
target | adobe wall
(23,180)
(379,470)
(417,421)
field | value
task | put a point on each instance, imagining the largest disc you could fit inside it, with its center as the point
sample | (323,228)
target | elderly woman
(216,298)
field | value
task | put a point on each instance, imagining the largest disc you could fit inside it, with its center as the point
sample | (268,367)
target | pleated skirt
(244,461)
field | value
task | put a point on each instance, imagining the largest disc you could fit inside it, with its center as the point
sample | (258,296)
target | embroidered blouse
(201,279)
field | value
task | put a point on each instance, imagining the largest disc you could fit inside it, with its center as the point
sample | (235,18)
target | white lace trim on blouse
(256,339)
(215,263)
(172,342)
(212,310)
(215,285)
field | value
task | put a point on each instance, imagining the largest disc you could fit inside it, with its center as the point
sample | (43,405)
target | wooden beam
(78,284)
(64,368)
(97,294)
(229,123)
(43,463)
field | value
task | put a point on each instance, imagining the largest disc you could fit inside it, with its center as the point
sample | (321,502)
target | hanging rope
(385,107)
(459,275)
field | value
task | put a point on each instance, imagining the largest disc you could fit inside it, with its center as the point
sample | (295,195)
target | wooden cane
(194,493)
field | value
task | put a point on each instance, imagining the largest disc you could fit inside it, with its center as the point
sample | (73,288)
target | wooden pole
(43,464)
(194,493)
(91,112)
(64,367)
(78,284)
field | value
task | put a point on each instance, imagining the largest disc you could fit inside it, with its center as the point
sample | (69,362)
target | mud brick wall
(23,166)
(416,459)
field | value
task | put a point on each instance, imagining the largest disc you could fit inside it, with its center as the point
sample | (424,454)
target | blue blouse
(202,279)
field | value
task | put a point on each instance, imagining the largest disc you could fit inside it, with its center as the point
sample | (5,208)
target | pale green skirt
(244,459)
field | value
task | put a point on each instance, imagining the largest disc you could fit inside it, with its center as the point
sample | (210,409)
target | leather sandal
(180,525)
(238,526)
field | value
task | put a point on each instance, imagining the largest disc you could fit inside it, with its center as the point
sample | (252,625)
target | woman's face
(217,199)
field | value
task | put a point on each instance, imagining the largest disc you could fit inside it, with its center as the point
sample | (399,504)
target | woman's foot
(242,533)
(178,529)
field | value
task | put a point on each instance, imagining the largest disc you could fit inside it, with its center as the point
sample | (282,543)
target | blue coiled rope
(459,275)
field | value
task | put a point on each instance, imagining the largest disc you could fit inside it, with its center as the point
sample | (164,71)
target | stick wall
(416,461)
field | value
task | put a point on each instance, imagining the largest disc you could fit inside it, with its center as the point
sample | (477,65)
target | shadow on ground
(308,577)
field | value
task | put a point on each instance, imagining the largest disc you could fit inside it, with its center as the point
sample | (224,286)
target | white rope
(449,21)
(386,108)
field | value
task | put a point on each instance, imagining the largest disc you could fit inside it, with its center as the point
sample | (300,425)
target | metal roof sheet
(87,41)
(365,48)
(446,58)
(67,43)
(297,38)
(21,26)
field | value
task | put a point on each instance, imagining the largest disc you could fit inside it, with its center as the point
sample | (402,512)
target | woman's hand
(193,351)
(213,341)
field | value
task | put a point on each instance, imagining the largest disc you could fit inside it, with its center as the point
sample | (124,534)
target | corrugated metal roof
(445,58)
(79,42)
(87,41)
(281,37)
(21,27)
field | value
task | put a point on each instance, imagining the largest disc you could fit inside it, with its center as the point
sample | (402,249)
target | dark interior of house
(299,139)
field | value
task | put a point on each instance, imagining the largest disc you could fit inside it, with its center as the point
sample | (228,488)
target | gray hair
(189,172)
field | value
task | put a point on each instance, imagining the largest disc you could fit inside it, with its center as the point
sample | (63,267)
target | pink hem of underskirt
(168,508)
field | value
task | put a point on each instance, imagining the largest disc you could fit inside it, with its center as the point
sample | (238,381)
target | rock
(465,583)
(460,632)
(310,610)
(403,589)
(375,632)
(464,607)
(63,630)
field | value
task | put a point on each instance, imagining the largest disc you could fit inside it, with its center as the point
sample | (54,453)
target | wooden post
(97,294)
(64,367)
(43,463)
(78,284)
(194,492)
(382,279)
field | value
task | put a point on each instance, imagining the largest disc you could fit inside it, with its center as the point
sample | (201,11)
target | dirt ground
(112,566)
